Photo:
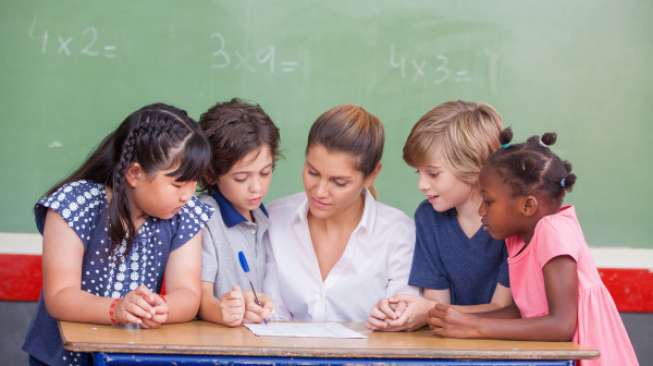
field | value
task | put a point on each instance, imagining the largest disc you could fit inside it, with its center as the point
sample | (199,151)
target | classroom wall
(72,70)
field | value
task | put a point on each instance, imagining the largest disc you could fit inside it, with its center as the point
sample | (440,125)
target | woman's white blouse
(375,264)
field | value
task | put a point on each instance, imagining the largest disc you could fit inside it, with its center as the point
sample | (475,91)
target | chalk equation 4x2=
(67,44)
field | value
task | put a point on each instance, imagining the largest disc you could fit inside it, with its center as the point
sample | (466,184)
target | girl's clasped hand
(143,307)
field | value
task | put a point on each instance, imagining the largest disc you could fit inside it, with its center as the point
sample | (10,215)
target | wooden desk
(204,343)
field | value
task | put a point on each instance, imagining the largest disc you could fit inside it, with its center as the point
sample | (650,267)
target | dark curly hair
(532,168)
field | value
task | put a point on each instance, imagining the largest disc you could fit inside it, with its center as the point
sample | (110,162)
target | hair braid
(144,137)
(158,137)
(120,221)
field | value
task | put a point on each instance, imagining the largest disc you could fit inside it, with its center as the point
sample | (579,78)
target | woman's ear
(528,205)
(369,181)
(134,174)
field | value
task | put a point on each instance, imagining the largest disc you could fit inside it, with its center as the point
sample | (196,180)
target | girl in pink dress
(556,287)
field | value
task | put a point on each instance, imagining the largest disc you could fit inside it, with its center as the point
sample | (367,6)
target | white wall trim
(19,243)
(623,257)
(604,257)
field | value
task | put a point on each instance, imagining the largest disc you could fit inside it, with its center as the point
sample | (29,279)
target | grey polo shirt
(227,233)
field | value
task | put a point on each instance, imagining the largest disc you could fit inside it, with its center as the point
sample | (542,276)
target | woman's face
(332,181)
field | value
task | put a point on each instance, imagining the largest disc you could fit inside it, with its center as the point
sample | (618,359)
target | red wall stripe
(632,289)
(20,277)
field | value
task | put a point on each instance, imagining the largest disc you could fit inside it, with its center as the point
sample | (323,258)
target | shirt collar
(230,216)
(367,219)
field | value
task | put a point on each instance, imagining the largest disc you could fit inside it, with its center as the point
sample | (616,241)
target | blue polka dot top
(83,205)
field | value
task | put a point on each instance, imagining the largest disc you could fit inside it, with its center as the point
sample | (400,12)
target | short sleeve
(403,244)
(552,239)
(79,203)
(504,277)
(189,221)
(209,256)
(427,270)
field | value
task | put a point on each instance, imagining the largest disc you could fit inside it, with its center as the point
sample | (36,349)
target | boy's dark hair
(532,167)
(158,137)
(234,129)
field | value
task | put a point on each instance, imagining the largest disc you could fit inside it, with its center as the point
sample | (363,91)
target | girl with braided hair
(558,293)
(116,225)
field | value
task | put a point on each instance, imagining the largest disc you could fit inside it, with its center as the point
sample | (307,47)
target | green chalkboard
(71,70)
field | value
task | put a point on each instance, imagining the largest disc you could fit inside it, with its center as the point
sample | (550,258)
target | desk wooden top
(199,337)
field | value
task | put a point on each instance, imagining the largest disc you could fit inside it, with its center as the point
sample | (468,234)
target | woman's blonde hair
(464,133)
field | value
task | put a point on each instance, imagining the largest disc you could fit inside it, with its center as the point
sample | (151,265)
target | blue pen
(243,264)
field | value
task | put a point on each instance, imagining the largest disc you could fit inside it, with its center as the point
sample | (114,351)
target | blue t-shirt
(83,205)
(445,258)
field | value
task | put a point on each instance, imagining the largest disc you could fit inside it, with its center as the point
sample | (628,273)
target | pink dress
(599,324)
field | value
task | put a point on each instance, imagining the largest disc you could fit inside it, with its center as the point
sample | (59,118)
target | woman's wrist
(425,305)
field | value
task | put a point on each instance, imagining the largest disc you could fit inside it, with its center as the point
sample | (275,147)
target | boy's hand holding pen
(258,306)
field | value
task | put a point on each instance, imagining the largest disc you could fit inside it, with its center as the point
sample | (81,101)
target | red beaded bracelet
(112,311)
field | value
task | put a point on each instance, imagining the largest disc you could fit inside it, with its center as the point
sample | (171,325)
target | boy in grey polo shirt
(244,143)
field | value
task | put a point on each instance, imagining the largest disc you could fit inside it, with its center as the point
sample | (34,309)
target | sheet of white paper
(311,330)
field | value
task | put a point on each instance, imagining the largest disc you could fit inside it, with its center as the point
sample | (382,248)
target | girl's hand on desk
(255,313)
(446,321)
(135,307)
(160,312)
(232,307)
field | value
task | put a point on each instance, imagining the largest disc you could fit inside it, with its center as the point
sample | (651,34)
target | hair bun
(549,138)
(506,136)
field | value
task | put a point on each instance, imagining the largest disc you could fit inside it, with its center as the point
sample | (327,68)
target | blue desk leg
(123,359)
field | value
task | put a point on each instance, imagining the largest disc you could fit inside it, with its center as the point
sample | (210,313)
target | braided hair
(158,137)
(531,167)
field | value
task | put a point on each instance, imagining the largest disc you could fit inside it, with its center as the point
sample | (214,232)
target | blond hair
(465,134)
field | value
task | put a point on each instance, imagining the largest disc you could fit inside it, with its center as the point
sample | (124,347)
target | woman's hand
(399,312)
(383,312)
(414,314)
